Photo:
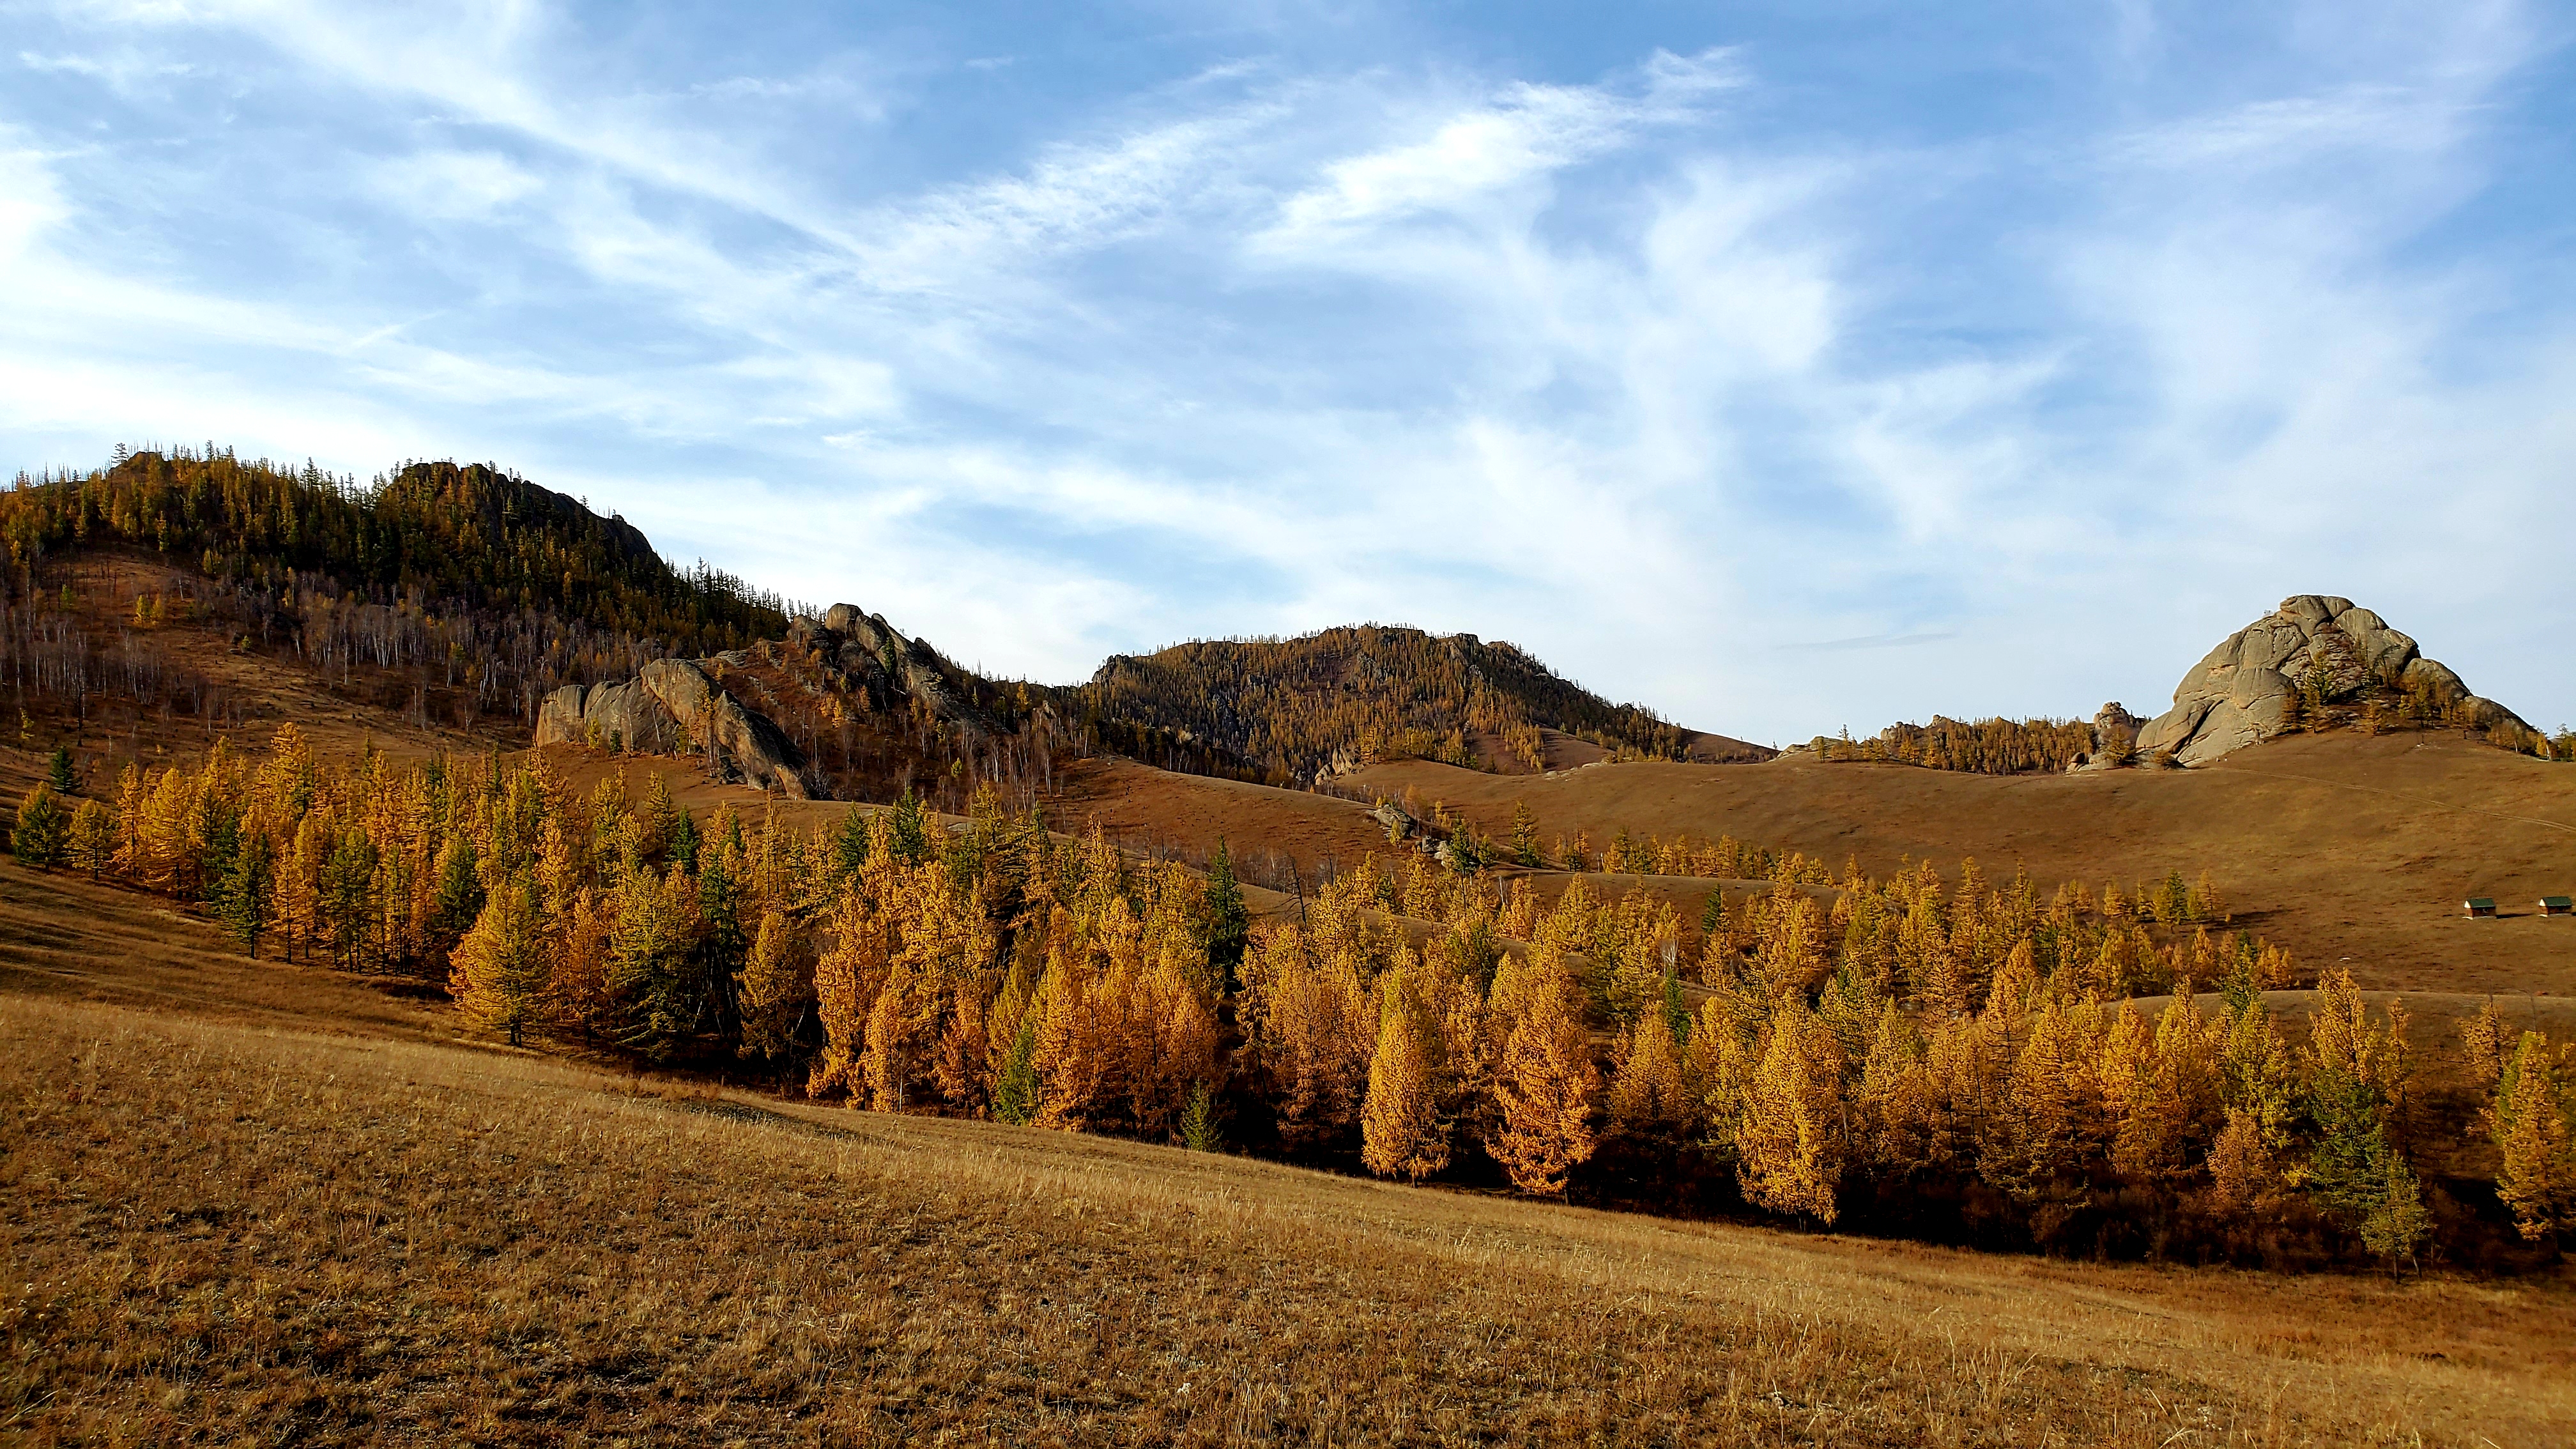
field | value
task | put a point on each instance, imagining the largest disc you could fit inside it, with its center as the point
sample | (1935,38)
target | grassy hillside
(2349,849)
(258,1201)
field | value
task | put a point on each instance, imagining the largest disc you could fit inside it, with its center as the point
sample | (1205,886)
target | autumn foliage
(1919,1051)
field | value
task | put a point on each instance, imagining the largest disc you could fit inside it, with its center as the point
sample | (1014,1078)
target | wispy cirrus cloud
(1735,335)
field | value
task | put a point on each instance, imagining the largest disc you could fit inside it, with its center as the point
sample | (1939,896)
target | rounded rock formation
(2251,687)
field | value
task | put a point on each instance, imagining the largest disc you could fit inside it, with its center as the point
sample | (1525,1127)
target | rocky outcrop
(674,706)
(870,654)
(2115,730)
(680,706)
(2313,648)
(2115,739)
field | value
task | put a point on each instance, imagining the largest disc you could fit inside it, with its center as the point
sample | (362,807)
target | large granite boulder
(673,706)
(2249,688)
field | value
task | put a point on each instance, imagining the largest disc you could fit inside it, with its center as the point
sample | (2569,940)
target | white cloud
(1272,346)
(1524,134)
(31,200)
(453,185)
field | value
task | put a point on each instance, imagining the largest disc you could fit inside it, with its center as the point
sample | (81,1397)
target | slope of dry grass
(2348,849)
(221,1232)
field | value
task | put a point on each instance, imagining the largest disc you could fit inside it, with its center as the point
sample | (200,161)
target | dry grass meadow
(248,1203)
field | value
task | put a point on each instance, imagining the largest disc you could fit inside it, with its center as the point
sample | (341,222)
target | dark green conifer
(1229,925)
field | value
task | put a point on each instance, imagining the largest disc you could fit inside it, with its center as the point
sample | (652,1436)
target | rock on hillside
(868,653)
(681,706)
(671,706)
(2249,688)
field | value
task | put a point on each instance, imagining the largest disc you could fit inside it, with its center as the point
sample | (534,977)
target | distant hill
(466,593)
(443,533)
(2316,663)
(1303,709)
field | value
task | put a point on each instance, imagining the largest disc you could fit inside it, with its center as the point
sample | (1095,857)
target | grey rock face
(673,706)
(2245,690)
(875,656)
(2115,738)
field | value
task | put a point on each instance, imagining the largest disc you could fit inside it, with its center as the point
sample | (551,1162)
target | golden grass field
(252,1203)
(2348,849)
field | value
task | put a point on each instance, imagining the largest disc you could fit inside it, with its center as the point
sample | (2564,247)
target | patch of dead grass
(217,1230)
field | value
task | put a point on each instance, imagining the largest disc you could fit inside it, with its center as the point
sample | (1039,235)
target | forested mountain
(469,535)
(452,591)
(460,595)
(1296,709)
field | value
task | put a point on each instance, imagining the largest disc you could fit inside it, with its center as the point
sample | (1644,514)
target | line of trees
(471,534)
(1987,747)
(1931,1055)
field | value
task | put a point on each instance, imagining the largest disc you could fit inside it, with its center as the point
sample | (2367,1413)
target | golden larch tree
(1400,1127)
(1790,1143)
(498,972)
(1544,1088)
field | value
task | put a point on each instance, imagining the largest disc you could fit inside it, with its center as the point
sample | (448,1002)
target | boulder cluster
(869,654)
(2313,649)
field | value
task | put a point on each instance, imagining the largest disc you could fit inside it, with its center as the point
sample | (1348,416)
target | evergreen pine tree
(60,774)
(722,944)
(1712,923)
(1229,925)
(911,829)
(457,898)
(243,891)
(849,847)
(650,961)
(684,842)
(44,829)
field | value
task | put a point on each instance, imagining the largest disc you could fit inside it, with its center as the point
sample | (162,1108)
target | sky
(1787,367)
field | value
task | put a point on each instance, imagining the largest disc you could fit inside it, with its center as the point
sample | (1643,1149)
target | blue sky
(1784,366)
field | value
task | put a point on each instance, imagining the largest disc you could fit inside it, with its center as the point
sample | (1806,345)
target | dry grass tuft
(223,1231)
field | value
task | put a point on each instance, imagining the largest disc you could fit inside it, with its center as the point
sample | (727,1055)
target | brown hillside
(2346,848)
(411,1213)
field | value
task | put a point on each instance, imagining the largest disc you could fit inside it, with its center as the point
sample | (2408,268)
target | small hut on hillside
(2479,906)
(2557,906)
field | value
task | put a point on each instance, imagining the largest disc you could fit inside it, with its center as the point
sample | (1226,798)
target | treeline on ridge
(453,591)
